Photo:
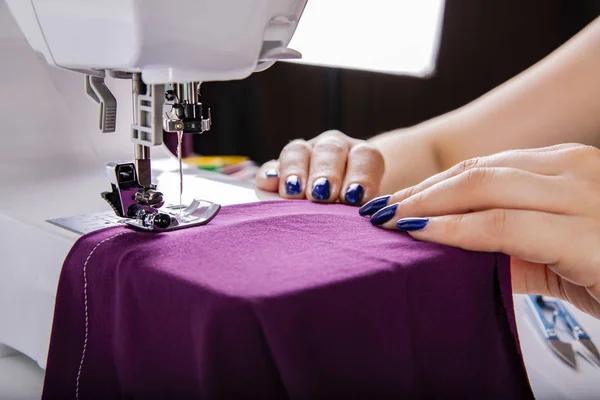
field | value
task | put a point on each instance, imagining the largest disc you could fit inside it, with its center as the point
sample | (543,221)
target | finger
(267,177)
(514,232)
(364,170)
(544,161)
(529,235)
(294,162)
(555,147)
(335,134)
(327,168)
(483,189)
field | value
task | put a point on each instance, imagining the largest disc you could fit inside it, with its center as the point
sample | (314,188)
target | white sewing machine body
(166,54)
(166,40)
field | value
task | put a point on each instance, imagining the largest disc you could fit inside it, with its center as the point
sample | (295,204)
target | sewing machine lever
(101,94)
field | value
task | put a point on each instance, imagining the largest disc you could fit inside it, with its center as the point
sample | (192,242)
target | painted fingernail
(292,185)
(354,194)
(321,190)
(412,224)
(374,205)
(384,215)
(272,173)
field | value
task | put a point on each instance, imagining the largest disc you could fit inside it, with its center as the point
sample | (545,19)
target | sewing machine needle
(179,140)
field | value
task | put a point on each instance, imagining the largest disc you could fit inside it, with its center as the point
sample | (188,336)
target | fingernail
(272,173)
(374,205)
(412,224)
(321,189)
(384,215)
(292,185)
(354,194)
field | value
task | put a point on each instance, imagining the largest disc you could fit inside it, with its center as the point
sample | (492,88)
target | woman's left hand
(540,206)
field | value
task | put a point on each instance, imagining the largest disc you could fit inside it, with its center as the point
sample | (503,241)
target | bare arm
(555,101)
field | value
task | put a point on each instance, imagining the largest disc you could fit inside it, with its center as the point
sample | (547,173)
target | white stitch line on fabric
(85,306)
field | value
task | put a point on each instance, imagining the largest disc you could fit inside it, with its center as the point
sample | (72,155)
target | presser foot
(174,217)
(143,207)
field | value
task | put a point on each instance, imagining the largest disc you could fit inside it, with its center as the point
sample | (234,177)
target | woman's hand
(540,206)
(328,168)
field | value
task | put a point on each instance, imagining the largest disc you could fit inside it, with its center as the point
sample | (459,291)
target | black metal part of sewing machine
(129,199)
(177,109)
(185,114)
(140,207)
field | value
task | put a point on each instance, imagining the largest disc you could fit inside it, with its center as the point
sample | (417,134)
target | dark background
(483,44)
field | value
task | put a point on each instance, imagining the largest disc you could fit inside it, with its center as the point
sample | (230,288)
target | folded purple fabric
(285,299)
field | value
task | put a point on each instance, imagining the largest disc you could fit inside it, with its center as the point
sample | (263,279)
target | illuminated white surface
(391,36)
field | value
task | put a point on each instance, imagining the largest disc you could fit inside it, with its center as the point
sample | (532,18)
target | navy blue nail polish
(354,194)
(321,190)
(292,185)
(412,224)
(374,205)
(272,173)
(384,215)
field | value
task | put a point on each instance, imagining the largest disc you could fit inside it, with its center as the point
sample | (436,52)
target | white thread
(85,305)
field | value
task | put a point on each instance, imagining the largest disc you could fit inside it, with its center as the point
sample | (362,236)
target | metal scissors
(582,342)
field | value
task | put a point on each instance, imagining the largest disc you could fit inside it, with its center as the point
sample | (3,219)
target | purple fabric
(282,300)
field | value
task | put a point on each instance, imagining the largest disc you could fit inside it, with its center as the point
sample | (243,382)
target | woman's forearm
(555,101)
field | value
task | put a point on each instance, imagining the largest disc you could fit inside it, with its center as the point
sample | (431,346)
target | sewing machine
(166,55)
(52,157)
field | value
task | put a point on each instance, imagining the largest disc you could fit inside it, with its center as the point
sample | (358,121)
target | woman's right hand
(328,168)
